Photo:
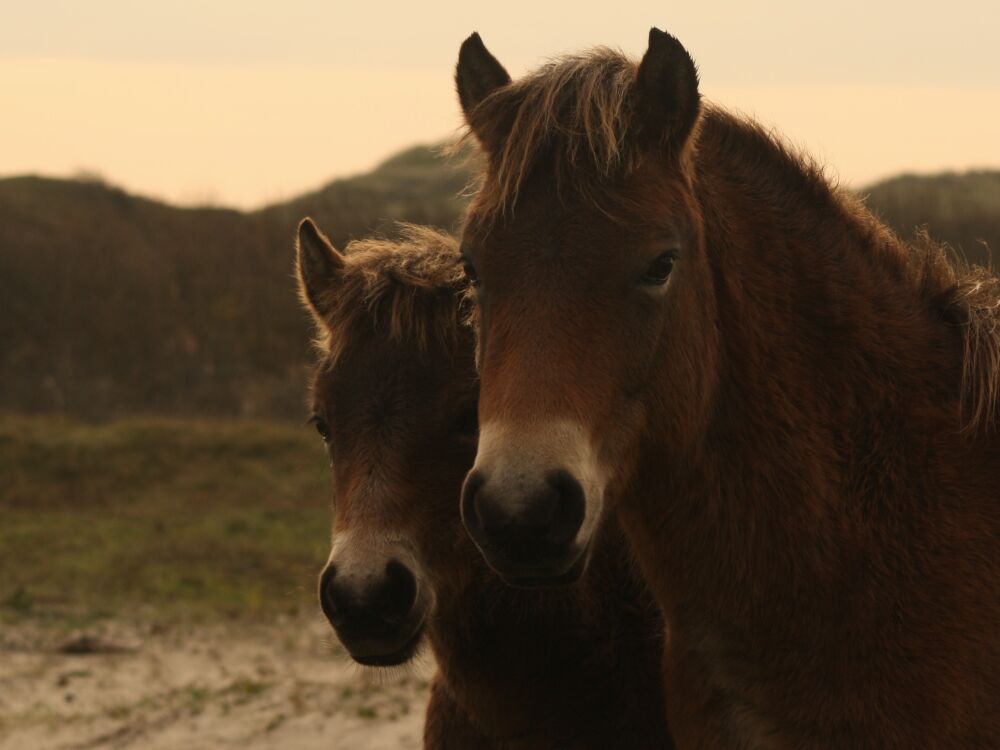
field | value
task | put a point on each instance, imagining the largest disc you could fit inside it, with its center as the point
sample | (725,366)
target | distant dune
(113,304)
(962,209)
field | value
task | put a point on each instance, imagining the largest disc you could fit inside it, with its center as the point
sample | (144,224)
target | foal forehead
(374,368)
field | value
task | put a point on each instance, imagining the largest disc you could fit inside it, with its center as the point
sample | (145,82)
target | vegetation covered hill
(113,304)
(960,209)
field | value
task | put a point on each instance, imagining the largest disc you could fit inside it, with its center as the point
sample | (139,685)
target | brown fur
(803,426)
(578,668)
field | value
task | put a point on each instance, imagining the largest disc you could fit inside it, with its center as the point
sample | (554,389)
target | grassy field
(178,518)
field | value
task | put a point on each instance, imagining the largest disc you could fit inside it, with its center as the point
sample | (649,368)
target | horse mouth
(393,657)
(533,580)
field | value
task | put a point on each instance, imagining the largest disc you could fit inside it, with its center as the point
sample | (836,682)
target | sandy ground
(211,686)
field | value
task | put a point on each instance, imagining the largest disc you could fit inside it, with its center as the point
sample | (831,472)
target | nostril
(368,603)
(489,513)
(399,592)
(522,535)
(570,507)
(471,513)
(330,599)
(524,519)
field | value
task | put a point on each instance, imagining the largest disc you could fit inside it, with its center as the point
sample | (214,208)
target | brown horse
(394,396)
(793,412)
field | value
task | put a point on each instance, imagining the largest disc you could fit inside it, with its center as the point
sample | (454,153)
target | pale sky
(242,102)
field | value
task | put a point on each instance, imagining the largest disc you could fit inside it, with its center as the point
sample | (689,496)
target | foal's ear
(667,98)
(318,266)
(478,74)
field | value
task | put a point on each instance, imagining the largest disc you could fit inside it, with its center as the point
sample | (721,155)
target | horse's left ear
(667,98)
(478,74)
(318,267)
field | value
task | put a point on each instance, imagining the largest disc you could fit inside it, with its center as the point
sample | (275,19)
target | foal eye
(470,272)
(658,271)
(321,427)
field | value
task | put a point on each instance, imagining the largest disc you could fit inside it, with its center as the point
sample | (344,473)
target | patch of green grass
(119,712)
(244,690)
(195,698)
(18,601)
(274,723)
(181,516)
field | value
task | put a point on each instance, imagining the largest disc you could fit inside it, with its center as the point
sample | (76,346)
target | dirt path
(191,687)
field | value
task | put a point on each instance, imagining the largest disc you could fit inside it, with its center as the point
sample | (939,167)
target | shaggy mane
(410,288)
(969,297)
(574,110)
(977,295)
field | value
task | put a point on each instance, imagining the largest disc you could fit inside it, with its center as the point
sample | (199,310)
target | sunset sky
(245,102)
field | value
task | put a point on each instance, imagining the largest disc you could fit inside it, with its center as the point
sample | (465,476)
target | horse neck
(824,349)
(506,653)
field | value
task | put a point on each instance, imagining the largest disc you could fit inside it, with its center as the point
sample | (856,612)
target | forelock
(574,112)
(409,289)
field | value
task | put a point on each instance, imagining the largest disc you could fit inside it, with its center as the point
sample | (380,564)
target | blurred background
(163,507)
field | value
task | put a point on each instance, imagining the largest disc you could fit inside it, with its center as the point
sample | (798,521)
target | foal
(394,397)
(793,413)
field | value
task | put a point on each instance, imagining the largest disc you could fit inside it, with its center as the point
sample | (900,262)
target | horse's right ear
(667,95)
(318,266)
(478,74)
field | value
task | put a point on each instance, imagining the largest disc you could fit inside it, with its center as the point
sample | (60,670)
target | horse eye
(659,269)
(321,427)
(470,272)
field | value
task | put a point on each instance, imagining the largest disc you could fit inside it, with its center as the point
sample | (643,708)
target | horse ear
(667,95)
(318,266)
(478,74)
